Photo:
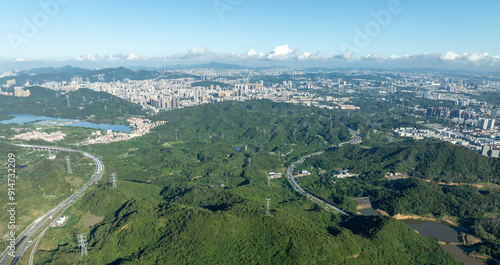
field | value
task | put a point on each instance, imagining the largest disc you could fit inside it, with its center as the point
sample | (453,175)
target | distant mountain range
(66,73)
(53,70)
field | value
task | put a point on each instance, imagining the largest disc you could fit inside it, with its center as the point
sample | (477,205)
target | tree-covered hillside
(430,160)
(439,180)
(84,104)
(194,192)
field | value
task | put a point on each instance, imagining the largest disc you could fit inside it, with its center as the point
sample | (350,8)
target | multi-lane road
(36,229)
(356,139)
(293,181)
(25,239)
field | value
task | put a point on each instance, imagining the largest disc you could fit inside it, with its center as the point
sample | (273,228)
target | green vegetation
(85,105)
(445,180)
(443,162)
(41,183)
(187,195)
(5,117)
(67,73)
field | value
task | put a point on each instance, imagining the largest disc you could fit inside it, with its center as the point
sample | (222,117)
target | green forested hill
(188,195)
(427,160)
(84,103)
(66,73)
(445,181)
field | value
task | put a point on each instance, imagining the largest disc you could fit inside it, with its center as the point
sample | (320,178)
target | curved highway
(356,139)
(293,181)
(24,240)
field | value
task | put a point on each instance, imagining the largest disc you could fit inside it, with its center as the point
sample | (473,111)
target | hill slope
(187,195)
(84,103)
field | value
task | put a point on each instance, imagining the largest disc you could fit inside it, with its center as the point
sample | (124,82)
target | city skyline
(393,33)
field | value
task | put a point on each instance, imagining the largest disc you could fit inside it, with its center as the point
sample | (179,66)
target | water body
(460,255)
(368,212)
(445,234)
(28,118)
(438,231)
(441,232)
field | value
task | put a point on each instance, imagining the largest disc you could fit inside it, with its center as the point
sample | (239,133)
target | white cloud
(251,54)
(399,57)
(193,53)
(118,57)
(472,58)
(344,56)
(373,57)
(133,57)
(311,56)
(281,52)
(20,60)
(450,56)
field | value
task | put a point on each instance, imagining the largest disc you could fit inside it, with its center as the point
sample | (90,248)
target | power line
(82,243)
(268,205)
(69,165)
(114,180)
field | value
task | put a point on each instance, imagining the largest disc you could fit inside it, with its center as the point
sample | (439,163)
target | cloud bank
(283,54)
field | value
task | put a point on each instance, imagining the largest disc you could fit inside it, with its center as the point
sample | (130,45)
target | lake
(28,118)
(442,233)
(439,231)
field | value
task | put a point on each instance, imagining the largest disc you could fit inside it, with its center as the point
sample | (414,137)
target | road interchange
(38,227)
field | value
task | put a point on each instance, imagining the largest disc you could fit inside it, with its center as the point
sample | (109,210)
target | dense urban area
(459,102)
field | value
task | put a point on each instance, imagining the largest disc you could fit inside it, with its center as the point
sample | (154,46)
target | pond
(439,231)
(445,234)
(28,118)
(368,212)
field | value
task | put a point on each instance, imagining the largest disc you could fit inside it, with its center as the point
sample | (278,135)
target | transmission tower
(268,205)
(114,180)
(82,243)
(269,181)
(67,101)
(69,165)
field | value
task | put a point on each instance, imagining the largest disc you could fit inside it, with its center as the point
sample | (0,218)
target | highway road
(356,139)
(24,240)
(293,181)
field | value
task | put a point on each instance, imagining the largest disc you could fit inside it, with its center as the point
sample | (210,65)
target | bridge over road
(38,227)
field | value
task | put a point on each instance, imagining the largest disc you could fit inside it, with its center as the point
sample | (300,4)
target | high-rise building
(491,124)
(485,124)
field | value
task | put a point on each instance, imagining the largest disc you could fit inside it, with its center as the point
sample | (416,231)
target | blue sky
(177,30)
